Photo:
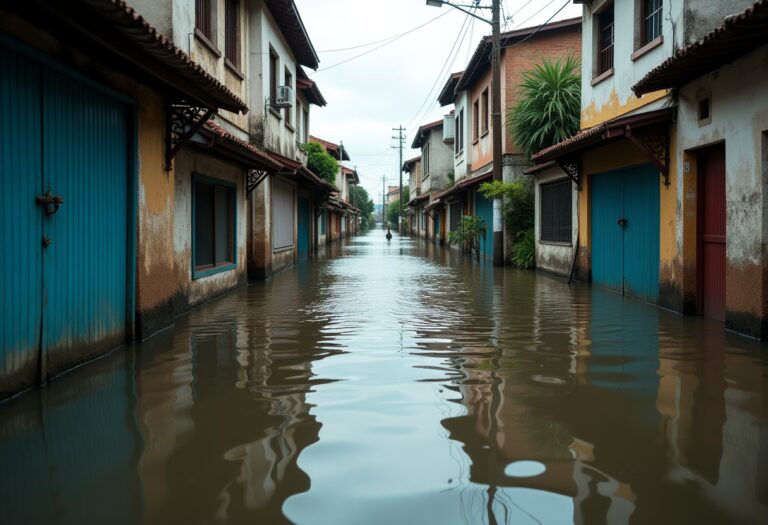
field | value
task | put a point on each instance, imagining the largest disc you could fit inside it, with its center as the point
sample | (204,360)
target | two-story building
(469,92)
(435,174)
(626,229)
(341,215)
(137,203)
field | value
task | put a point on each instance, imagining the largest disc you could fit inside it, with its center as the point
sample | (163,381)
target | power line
(440,75)
(383,39)
(386,43)
(512,16)
(537,12)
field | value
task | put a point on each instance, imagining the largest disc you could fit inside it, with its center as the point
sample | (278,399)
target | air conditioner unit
(284,98)
(448,131)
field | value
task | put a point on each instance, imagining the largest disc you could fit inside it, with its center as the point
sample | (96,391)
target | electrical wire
(512,16)
(537,12)
(442,74)
(386,43)
(383,39)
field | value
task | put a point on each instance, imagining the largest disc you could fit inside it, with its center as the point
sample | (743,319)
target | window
(652,12)
(214,225)
(288,82)
(203,17)
(273,80)
(458,143)
(556,211)
(282,215)
(456,213)
(232,31)
(605,40)
(476,120)
(705,117)
(425,161)
(486,111)
(423,220)
(305,137)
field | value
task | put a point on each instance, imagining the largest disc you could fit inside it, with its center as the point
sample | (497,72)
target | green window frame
(214,226)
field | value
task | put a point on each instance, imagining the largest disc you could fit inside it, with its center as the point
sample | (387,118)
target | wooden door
(711,232)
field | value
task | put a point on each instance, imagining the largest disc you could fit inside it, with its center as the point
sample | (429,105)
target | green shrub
(469,233)
(320,162)
(524,250)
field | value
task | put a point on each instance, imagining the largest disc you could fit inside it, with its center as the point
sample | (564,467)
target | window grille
(605,48)
(556,212)
(652,11)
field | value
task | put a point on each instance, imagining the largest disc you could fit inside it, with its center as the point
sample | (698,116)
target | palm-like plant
(470,231)
(549,105)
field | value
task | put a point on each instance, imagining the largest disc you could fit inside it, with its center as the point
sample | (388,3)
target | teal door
(484,209)
(64,266)
(303,234)
(625,231)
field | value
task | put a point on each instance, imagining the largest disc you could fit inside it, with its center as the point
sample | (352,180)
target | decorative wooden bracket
(183,121)
(571,168)
(655,147)
(253,179)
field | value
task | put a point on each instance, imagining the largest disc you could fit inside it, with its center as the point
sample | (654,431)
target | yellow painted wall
(618,155)
(593,114)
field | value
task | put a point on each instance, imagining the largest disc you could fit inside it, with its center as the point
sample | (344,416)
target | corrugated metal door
(484,209)
(641,232)
(711,220)
(607,235)
(303,240)
(65,300)
(21,223)
(625,231)
(85,160)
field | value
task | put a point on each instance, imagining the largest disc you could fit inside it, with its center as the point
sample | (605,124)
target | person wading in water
(389,234)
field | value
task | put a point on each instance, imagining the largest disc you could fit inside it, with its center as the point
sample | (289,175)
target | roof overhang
(309,88)
(332,149)
(424,131)
(735,37)
(448,94)
(296,169)
(117,35)
(228,145)
(288,19)
(648,131)
(464,185)
(408,164)
(481,58)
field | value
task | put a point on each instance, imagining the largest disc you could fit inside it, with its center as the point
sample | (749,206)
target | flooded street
(399,383)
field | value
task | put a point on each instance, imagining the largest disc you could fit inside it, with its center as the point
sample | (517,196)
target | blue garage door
(484,209)
(303,240)
(625,231)
(63,272)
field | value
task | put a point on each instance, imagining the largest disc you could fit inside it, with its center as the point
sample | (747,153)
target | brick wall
(524,57)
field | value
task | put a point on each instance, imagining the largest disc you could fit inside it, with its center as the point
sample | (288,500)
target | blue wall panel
(85,148)
(484,209)
(607,236)
(303,233)
(641,236)
(20,222)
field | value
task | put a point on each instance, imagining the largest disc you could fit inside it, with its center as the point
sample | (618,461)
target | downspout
(576,245)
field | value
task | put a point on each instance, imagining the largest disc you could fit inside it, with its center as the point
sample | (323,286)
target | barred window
(556,211)
(605,40)
(652,11)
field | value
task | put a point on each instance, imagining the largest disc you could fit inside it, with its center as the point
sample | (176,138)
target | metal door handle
(50,202)
(622,222)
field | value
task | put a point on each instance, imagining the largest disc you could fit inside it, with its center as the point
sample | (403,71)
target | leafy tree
(549,105)
(470,231)
(320,162)
(393,209)
(518,211)
(364,203)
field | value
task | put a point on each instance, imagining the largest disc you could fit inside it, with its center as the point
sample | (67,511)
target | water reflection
(402,383)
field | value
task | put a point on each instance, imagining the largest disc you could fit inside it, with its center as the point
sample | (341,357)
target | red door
(711,232)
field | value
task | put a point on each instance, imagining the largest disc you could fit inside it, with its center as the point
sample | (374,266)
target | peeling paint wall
(553,257)
(463,158)
(191,291)
(739,118)
(440,162)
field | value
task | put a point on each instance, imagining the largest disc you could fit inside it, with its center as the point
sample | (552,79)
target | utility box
(448,128)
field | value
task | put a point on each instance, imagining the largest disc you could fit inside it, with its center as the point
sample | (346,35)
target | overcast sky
(390,86)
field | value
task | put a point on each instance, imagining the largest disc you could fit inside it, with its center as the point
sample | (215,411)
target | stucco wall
(739,117)
(555,257)
(482,146)
(267,125)
(613,96)
(440,162)
(463,158)
(195,291)
(702,16)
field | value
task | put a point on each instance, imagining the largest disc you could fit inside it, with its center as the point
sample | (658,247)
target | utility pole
(383,201)
(400,142)
(498,226)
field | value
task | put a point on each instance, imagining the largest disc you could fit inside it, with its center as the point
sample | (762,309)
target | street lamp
(498,224)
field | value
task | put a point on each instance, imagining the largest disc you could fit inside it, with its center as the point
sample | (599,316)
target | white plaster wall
(440,162)
(264,32)
(555,257)
(739,116)
(462,160)
(702,16)
(613,95)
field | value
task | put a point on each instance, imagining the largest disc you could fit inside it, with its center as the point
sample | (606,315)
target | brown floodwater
(400,383)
